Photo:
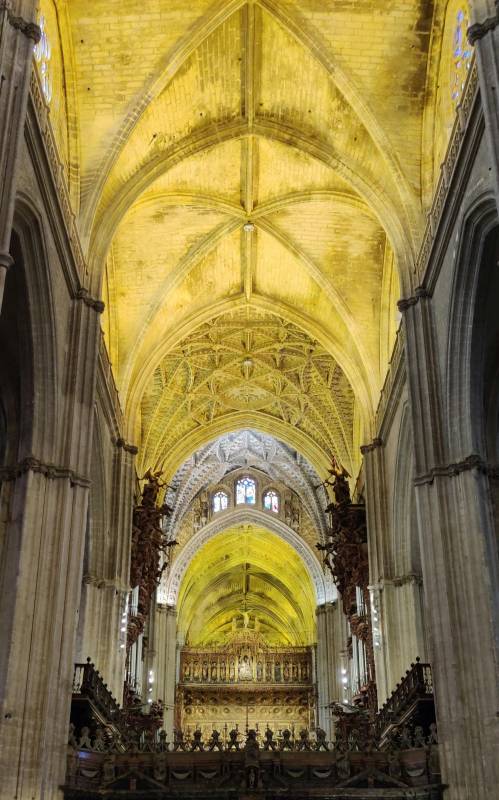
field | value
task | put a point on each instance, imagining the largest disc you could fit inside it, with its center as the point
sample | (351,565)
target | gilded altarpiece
(245,684)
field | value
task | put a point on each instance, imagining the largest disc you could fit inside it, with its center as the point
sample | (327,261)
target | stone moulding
(479,29)
(128,448)
(91,302)
(452,469)
(30,29)
(464,113)
(51,471)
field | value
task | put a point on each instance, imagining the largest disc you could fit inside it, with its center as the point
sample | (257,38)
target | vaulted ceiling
(257,160)
(247,569)
(248,449)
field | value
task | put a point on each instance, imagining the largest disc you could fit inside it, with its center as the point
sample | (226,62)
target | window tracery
(461,55)
(220,501)
(246,491)
(42,53)
(271,501)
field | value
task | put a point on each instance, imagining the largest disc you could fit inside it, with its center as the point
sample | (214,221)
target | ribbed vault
(246,448)
(248,361)
(247,570)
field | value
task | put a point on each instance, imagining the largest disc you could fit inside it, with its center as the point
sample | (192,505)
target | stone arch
(463,391)
(325,590)
(359,380)
(31,265)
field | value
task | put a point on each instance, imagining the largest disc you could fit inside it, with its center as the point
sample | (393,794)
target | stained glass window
(42,52)
(220,501)
(271,501)
(461,56)
(246,491)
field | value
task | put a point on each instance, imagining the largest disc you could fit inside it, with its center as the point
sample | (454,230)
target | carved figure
(109,769)
(85,743)
(163,742)
(245,671)
(252,778)
(233,743)
(214,742)
(405,738)
(197,741)
(72,738)
(343,767)
(159,769)
(321,743)
(433,737)
(99,741)
(269,743)
(178,740)
(303,741)
(419,737)
(286,743)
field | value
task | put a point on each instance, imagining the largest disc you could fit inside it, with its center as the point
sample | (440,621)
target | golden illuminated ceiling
(181,122)
(245,362)
(246,569)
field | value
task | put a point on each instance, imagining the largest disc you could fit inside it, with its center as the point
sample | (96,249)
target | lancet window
(271,501)
(220,501)
(42,53)
(461,55)
(246,491)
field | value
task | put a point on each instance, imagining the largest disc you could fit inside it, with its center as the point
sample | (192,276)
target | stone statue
(419,738)
(245,671)
(85,743)
(72,738)
(433,737)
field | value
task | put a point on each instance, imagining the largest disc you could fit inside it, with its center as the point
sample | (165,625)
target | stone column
(377,529)
(398,634)
(18,34)
(330,642)
(165,661)
(458,562)
(106,584)
(484,35)
(41,582)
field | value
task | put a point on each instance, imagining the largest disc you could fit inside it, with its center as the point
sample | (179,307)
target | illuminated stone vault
(250,570)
